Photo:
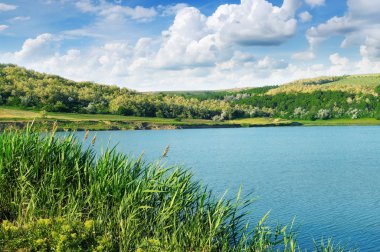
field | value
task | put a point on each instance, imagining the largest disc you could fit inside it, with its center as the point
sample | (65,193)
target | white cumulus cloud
(360,22)
(19,19)
(314,3)
(198,40)
(115,11)
(255,22)
(305,16)
(38,47)
(336,59)
(3,27)
(307,55)
(7,7)
(199,51)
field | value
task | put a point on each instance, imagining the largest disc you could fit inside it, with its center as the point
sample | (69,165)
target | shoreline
(120,125)
(100,125)
(19,119)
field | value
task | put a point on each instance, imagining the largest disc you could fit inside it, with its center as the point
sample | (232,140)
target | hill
(335,97)
(365,84)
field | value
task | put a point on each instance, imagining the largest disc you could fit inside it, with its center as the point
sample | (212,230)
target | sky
(151,45)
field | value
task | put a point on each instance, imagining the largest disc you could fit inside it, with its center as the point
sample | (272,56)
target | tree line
(24,88)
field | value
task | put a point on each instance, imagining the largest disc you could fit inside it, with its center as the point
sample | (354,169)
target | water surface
(326,177)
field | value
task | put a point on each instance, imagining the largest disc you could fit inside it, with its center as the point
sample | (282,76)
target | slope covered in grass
(365,84)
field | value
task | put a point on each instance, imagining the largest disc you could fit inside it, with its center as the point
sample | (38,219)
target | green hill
(365,84)
(335,97)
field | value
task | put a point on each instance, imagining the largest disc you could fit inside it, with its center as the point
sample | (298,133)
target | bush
(43,114)
(57,234)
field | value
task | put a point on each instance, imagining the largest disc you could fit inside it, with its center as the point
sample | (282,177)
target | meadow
(365,84)
(11,117)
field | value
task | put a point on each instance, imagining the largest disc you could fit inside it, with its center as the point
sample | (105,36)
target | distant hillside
(365,84)
(27,88)
(24,88)
(218,94)
(318,98)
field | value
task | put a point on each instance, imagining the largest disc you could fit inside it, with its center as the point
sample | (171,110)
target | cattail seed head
(54,128)
(86,135)
(93,140)
(166,151)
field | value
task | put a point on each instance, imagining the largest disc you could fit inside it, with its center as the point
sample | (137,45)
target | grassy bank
(342,122)
(54,195)
(14,117)
(17,118)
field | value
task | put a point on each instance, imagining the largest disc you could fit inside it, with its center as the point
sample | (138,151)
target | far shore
(17,118)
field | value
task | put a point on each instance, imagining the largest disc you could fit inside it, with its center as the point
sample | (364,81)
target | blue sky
(191,45)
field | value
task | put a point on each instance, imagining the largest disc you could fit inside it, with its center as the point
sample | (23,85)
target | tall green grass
(57,195)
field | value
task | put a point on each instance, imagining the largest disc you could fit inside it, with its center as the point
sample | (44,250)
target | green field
(71,121)
(341,122)
(365,83)
(14,117)
(353,84)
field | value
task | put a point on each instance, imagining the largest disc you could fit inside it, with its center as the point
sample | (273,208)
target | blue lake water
(326,177)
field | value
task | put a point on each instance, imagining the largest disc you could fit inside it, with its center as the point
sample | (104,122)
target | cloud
(371,48)
(130,65)
(271,63)
(188,42)
(361,21)
(19,19)
(126,64)
(7,7)
(336,59)
(103,64)
(307,55)
(170,10)
(255,22)
(305,17)
(314,3)
(39,47)
(199,51)
(195,40)
(115,12)
(111,21)
(3,27)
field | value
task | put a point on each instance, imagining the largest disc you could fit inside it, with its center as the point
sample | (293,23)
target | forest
(350,97)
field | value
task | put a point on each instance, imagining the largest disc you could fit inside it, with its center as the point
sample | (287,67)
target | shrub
(57,234)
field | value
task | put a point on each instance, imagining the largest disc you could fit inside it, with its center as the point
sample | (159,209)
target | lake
(328,178)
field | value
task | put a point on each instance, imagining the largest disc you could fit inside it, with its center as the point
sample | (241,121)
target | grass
(57,196)
(72,121)
(12,113)
(342,122)
(260,121)
(354,84)
(7,113)
(18,118)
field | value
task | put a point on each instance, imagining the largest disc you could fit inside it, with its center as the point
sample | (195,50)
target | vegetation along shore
(27,95)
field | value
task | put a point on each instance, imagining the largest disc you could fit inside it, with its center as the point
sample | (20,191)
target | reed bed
(56,195)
